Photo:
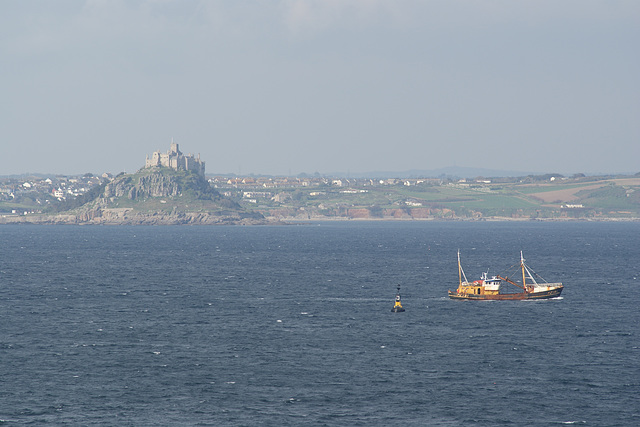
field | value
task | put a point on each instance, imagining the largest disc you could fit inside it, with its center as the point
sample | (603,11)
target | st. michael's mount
(170,189)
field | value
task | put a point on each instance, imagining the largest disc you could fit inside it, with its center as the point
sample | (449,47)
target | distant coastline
(172,189)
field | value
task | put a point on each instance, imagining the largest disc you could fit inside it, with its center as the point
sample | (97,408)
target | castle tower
(175,150)
(174,159)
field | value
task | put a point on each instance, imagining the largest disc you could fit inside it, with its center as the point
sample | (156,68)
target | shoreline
(191,218)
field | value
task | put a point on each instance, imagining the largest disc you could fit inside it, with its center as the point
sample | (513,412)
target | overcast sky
(290,86)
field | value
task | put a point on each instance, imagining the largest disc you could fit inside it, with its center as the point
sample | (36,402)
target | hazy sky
(291,86)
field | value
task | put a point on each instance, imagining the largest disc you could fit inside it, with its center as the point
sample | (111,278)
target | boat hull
(551,293)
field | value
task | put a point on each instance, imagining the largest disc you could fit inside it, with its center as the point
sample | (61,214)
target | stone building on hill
(174,159)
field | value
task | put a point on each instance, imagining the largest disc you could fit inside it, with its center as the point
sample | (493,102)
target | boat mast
(459,270)
(524,283)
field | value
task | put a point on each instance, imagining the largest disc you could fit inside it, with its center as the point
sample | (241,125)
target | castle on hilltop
(174,159)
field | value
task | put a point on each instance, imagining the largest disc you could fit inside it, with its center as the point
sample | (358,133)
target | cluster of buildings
(35,191)
(261,189)
(293,182)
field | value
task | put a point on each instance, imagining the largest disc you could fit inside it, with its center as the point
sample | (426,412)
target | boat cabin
(484,286)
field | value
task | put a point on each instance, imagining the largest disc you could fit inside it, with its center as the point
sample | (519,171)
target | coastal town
(34,193)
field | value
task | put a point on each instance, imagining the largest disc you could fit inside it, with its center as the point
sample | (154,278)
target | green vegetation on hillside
(557,198)
(160,189)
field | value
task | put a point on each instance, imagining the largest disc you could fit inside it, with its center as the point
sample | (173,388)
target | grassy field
(585,199)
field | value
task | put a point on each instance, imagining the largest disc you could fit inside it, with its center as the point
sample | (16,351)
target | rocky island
(170,189)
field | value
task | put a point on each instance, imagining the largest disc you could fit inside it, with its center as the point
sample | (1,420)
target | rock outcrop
(153,196)
(130,217)
(158,183)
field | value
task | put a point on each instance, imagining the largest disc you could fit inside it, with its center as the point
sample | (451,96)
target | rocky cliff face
(152,185)
(130,217)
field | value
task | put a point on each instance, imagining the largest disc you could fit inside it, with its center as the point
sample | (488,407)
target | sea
(292,325)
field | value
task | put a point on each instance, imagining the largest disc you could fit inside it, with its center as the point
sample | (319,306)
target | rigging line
(513,270)
(526,268)
(539,276)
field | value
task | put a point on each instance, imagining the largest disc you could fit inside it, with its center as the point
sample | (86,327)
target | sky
(283,87)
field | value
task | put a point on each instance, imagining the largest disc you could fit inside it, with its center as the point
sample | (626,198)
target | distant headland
(171,188)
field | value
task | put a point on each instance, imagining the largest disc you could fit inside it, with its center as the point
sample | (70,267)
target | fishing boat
(489,288)
(397,307)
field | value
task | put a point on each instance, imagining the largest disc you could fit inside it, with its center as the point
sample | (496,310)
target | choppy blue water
(291,325)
